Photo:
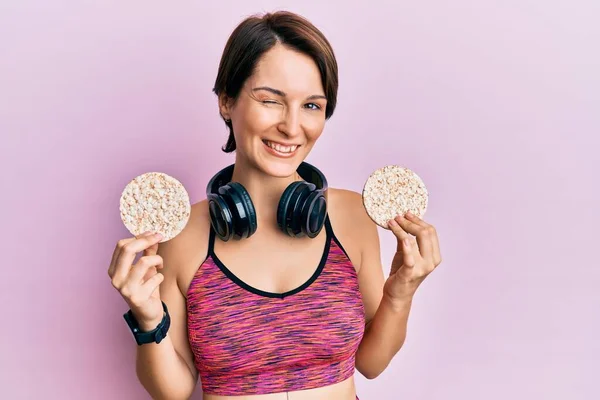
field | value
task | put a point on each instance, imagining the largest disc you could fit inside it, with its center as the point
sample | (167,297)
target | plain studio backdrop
(495,104)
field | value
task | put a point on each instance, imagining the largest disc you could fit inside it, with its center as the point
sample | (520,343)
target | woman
(271,302)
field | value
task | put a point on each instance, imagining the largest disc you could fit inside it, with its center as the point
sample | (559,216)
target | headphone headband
(312,174)
(308,172)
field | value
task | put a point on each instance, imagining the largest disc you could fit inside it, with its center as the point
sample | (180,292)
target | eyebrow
(282,94)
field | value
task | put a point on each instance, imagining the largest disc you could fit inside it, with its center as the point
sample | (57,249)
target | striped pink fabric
(247,341)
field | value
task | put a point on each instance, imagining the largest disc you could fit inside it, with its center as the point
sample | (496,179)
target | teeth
(280,148)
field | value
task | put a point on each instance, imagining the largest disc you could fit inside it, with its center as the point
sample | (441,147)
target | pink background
(494,104)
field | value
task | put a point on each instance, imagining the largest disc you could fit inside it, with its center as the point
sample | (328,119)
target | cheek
(314,128)
(246,123)
(257,119)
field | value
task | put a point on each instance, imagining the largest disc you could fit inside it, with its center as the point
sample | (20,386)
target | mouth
(280,149)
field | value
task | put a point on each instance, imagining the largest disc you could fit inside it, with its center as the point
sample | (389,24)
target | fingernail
(392,222)
(158,235)
(408,213)
(399,217)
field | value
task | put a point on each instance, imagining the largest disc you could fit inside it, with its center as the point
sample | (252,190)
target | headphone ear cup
(314,212)
(282,208)
(221,218)
(248,206)
(297,201)
(233,194)
(289,213)
(298,206)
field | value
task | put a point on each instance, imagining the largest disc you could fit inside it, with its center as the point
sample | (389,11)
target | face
(280,112)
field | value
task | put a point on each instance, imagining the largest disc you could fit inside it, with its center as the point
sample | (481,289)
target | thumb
(152,250)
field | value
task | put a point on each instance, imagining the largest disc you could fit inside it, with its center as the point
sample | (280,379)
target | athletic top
(247,341)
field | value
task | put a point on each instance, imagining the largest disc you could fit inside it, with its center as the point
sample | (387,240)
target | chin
(280,168)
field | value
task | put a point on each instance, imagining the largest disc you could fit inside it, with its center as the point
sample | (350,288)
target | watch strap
(154,336)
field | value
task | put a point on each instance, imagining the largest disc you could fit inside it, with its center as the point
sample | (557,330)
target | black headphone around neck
(302,208)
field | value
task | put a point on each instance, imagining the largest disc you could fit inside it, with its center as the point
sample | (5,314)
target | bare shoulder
(183,254)
(351,222)
(346,200)
(347,205)
(357,229)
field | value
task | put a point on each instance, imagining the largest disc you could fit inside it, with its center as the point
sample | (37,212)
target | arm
(388,303)
(386,319)
(384,336)
(166,370)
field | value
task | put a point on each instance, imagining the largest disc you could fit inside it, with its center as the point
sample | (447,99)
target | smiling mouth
(281,148)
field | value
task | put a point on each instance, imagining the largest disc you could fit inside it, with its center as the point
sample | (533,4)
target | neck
(264,190)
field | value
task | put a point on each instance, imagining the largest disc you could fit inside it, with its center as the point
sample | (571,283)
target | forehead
(288,70)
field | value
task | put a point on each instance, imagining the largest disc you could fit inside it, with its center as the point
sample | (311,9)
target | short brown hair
(256,35)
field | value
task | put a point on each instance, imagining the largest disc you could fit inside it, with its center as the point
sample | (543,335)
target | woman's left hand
(417,255)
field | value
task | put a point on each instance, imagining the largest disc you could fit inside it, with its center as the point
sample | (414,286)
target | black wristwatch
(154,336)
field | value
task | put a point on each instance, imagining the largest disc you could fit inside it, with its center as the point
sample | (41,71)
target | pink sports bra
(247,341)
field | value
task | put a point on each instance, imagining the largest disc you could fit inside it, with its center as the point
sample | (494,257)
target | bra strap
(211,240)
(331,235)
(328,227)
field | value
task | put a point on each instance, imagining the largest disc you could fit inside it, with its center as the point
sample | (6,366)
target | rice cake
(394,190)
(155,202)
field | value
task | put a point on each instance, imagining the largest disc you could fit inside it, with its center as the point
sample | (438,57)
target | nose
(290,123)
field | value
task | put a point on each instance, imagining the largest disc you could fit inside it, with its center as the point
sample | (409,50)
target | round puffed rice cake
(394,190)
(155,202)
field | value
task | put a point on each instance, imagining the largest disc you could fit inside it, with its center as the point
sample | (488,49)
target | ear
(225,104)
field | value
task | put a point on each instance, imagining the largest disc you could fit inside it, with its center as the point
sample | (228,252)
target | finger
(150,273)
(409,226)
(398,232)
(127,255)
(422,234)
(152,284)
(152,250)
(145,234)
(140,269)
(435,245)
(408,250)
(120,244)
(430,231)
(417,220)
(437,257)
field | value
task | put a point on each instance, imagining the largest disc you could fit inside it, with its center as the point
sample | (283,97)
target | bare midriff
(344,390)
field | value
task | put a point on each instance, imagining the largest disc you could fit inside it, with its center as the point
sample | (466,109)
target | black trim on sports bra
(329,236)
(337,241)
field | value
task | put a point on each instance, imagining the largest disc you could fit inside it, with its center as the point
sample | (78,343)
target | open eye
(313,106)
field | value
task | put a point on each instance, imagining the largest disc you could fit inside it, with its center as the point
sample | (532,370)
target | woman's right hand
(139,283)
